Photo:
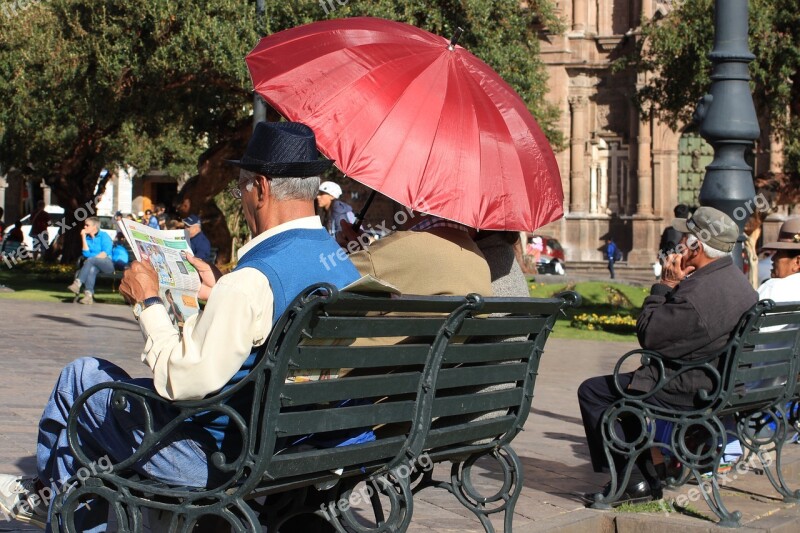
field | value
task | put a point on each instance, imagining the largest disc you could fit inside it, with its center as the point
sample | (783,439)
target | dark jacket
(691,322)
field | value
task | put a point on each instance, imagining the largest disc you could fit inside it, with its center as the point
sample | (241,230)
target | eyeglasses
(237,192)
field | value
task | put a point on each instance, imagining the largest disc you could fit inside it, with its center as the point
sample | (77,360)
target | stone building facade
(623,171)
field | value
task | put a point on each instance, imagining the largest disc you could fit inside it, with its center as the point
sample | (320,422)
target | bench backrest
(415,361)
(764,359)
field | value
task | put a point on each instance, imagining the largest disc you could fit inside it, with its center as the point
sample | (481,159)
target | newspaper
(178,280)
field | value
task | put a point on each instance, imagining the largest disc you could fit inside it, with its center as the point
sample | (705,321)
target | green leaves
(676,49)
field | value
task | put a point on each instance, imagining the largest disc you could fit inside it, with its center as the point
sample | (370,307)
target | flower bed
(614,323)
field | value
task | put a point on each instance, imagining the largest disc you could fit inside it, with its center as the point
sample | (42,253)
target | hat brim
(778,245)
(305,169)
(680,225)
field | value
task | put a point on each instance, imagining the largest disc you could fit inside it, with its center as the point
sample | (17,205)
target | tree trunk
(213,176)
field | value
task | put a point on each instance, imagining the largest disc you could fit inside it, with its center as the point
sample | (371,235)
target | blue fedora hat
(283,149)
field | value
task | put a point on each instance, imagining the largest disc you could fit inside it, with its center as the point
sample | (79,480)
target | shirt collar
(312,222)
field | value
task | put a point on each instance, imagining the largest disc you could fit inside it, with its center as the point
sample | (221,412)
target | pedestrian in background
(198,242)
(613,254)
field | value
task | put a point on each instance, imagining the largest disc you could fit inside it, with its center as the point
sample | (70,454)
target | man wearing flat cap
(689,315)
(278,182)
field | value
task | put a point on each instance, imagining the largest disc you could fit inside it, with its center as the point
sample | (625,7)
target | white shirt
(781,289)
(216,342)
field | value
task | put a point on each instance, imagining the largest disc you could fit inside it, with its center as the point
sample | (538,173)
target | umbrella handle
(363,212)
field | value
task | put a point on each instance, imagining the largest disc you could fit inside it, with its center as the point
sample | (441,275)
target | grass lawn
(48,283)
(602,298)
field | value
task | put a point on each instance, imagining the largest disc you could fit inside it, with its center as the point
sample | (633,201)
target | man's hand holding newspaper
(164,259)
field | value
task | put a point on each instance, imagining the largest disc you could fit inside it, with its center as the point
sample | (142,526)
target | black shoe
(638,492)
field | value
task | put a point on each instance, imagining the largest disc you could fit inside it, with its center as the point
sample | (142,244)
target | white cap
(331,188)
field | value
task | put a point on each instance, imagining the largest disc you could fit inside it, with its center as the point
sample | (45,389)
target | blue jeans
(91,267)
(110,435)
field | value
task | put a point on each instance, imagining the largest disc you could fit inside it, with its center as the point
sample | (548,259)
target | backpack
(617,255)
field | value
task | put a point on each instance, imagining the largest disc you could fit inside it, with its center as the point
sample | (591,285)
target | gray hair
(284,188)
(708,250)
(94,221)
(289,188)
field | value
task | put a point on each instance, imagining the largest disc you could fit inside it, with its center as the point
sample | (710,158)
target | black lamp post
(728,119)
(259,107)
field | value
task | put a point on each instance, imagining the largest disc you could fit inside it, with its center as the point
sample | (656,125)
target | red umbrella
(411,115)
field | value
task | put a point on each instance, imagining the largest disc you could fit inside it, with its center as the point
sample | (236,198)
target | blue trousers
(110,435)
(91,267)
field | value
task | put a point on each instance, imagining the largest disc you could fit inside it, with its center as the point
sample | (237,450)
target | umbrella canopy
(411,115)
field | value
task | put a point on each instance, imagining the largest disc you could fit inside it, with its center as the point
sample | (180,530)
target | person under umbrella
(336,209)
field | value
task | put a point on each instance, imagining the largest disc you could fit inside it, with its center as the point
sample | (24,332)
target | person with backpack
(613,254)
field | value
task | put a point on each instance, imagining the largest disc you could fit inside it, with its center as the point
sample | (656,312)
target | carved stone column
(577,177)
(580,15)
(644,175)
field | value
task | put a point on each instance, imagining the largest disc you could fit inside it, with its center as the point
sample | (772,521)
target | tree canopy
(676,49)
(93,84)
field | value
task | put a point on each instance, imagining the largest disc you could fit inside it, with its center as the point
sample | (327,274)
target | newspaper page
(178,280)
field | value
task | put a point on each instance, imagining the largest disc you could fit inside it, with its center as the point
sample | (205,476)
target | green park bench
(443,379)
(755,383)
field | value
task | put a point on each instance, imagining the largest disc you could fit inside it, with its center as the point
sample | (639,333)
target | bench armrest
(653,359)
(125,395)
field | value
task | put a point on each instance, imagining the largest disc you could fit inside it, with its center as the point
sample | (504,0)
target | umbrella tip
(454,40)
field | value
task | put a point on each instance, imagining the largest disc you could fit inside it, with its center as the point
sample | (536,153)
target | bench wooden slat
(358,304)
(528,306)
(476,403)
(350,387)
(395,355)
(505,326)
(320,460)
(398,355)
(777,337)
(780,319)
(339,418)
(351,303)
(339,327)
(487,352)
(753,397)
(466,432)
(481,375)
(761,372)
(766,355)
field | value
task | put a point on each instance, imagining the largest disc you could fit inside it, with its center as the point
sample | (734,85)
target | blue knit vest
(291,260)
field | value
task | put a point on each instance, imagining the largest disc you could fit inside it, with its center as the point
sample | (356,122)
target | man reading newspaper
(277,184)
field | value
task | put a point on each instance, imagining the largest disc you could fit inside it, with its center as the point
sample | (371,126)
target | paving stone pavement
(38,339)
